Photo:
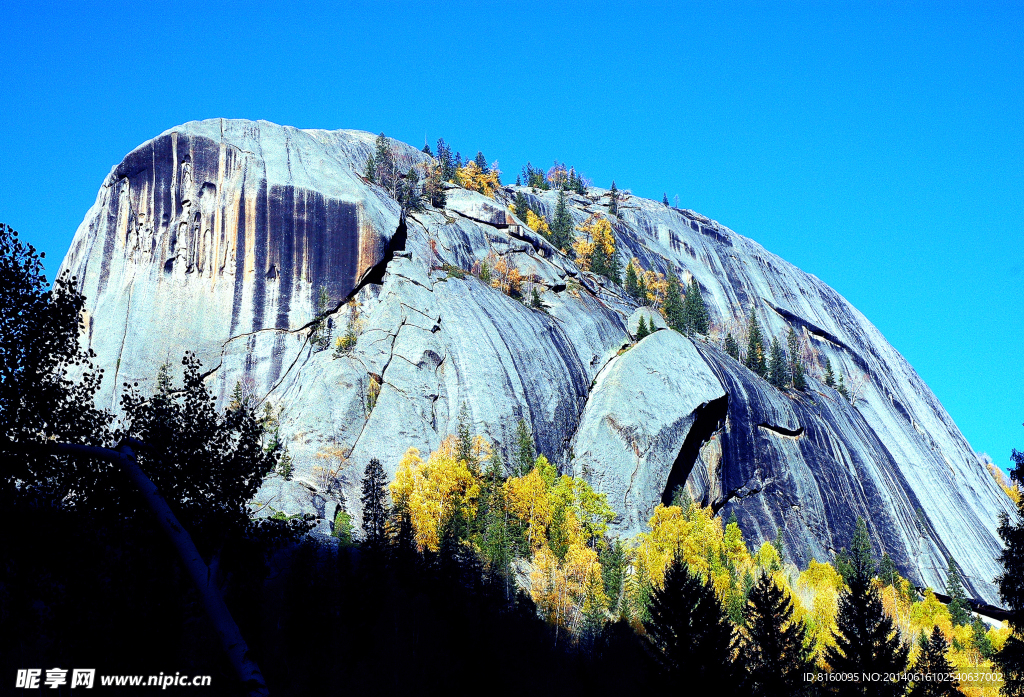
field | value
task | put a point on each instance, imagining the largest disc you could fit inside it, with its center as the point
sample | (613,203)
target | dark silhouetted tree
(932,661)
(375,508)
(866,639)
(613,205)
(673,308)
(830,378)
(777,369)
(561,226)
(796,366)
(641,328)
(959,609)
(772,655)
(1011,588)
(690,630)
(664,199)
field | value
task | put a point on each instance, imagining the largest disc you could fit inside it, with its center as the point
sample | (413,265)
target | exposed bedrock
(221,237)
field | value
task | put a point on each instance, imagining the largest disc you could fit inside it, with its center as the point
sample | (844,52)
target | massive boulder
(228,238)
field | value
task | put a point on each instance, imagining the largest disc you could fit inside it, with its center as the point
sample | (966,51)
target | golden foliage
(472,177)
(566,592)
(818,589)
(1012,489)
(435,490)
(537,223)
(597,231)
(528,501)
(504,276)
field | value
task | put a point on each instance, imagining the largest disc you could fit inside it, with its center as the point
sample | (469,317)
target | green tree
(695,311)
(613,559)
(375,508)
(777,370)
(772,652)
(343,528)
(932,661)
(959,609)
(370,171)
(426,149)
(1011,588)
(535,300)
(481,162)
(756,354)
(866,639)
(641,329)
(673,307)
(731,347)
(690,630)
(561,226)
(796,367)
(888,574)
(830,378)
(520,206)
(841,388)
(385,167)
(664,199)
(465,439)
(613,206)
(632,285)
(526,453)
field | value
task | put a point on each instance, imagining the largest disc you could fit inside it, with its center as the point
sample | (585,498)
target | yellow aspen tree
(472,177)
(928,614)
(528,501)
(818,589)
(537,223)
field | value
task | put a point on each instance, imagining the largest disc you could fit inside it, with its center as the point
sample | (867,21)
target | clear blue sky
(879,146)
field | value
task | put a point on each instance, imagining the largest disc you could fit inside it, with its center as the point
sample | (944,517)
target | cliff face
(218,236)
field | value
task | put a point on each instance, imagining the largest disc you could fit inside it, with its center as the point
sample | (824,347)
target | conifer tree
(465,439)
(841,388)
(632,286)
(830,378)
(866,639)
(613,206)
(520,206)
(731,347)
(796,367)
(535,300)
(1010,658)
(756,358)
(426,149)
(777,371)
(664,199)
(690,630)
(887,572)
(371,170)
(518,181)
(959,610)
(641,329)
(641,286)
(385,170)
(673,308)
(695,310)
(526,453)
(772,654)
(374,500)
(561,226)
(481,162)
(932,661)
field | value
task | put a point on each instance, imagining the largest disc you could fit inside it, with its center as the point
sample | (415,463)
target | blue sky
(879,146)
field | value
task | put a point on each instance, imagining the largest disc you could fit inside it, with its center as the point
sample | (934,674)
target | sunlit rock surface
(221,236)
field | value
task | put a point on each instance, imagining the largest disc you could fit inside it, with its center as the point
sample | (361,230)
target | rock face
(227,237)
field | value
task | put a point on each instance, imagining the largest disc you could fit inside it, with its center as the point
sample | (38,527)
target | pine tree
(830,378)
(375,509)
(641,287)
(526,454)
(959,610)
(731,347)
(866,639)
(481,162)
(613,206)
(888,574)
(520,206)
(777,371)
(696,311)
(641,329)
(632,285)
(371,170)
(561,226)
(1010,658)
(465,439)
(932,661)
(535,300)
(772,652)
(385,169)
(756,358)
(518,181)
(690,630)
(796,367)
(664,199)
(841,388)
(673,308)
(426,149)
